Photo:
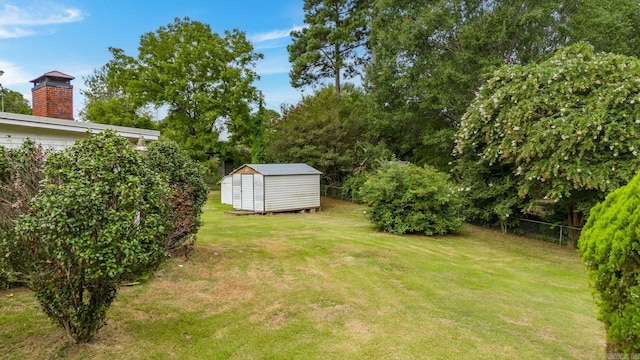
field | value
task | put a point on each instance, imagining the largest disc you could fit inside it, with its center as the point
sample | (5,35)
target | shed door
(258,192)
(247,192)
(236,189)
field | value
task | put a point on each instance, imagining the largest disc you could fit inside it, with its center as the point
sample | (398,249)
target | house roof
(282,169)
(30,121)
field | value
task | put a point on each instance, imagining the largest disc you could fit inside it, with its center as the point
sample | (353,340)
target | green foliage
(610,26)
(203,79)
(117,112)
(189,192)
(328,132)
(407,199)
(108,99)
(99,219)
(431,56)
(565,131)
(20,175)
(264,119)
(14,102)
(610,248)
(331,45)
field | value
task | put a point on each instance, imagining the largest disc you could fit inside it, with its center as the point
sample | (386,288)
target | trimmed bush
(610,247)
(407,199)
(20,176)
(99,218)
(189,193)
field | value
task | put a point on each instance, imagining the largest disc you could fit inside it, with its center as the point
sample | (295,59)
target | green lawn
(328,286)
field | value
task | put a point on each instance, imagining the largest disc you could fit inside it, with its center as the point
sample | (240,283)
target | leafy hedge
(189,193)
(100,217)
(407,198)
(20,175)
(610,247)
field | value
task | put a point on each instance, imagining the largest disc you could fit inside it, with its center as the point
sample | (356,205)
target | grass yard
(328,286)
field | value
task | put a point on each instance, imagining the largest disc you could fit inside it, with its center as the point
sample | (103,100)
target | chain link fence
(534,229)
(560,234)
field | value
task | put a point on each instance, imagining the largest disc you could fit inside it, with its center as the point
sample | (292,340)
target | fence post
(561,234)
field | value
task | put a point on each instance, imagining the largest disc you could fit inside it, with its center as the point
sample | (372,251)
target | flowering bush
(565,131)
(407,198)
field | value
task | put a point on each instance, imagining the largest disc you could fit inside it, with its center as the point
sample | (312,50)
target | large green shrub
(20,175)
(558,134)
(407,198)
(188,196)
(99,218)
(610,247)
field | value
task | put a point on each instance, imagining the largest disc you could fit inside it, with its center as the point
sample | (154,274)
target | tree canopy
(14,102)
(565,131)
(429,57)
(204,82)
(332,43)
(327,131)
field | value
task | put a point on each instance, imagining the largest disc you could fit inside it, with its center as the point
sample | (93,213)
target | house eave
(30,121)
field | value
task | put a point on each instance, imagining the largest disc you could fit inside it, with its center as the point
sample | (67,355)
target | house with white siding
(56,134)
(52,124)
(268,188)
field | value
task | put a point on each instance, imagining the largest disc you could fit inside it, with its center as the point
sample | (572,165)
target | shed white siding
(292,192)
(247,192)
(258,193)
(226,190)
(275,187)
(237,191)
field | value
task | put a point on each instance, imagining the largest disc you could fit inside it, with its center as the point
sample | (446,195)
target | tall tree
(202,79)
(562,133)
(332,45)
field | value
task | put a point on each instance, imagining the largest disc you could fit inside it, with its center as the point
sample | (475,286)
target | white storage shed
(265,188)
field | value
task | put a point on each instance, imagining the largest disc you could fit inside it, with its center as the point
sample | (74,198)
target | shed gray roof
(282,169)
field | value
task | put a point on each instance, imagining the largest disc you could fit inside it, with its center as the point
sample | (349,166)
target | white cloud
(8,33)
(18,21)
(273,64)
(273,35)
(13,74)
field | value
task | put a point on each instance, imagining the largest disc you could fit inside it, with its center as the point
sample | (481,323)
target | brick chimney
(52,95)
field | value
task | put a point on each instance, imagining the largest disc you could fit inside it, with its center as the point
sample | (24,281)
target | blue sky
(72,36)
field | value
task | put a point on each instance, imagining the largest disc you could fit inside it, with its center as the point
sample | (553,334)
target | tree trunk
(337,78)
(575,219)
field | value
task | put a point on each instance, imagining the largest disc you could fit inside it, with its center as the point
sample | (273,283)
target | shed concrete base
(248,212)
